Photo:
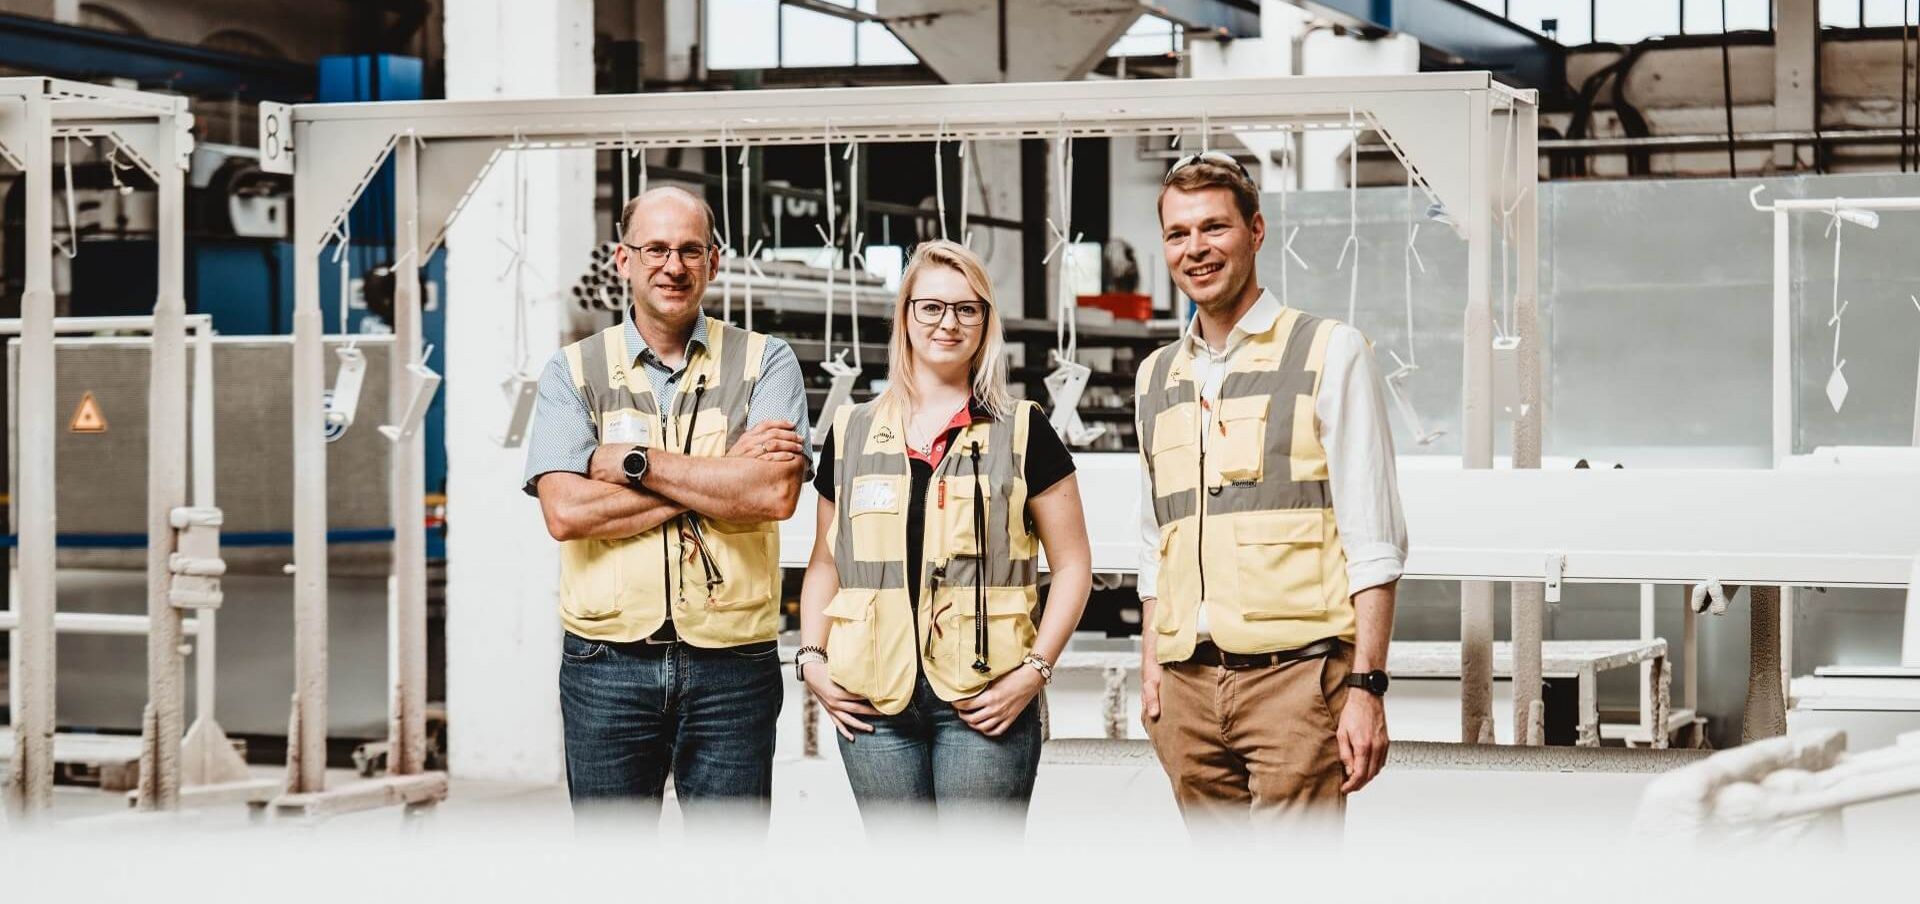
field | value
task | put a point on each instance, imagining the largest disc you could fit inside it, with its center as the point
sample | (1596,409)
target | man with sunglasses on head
(667,450)
(1272,529)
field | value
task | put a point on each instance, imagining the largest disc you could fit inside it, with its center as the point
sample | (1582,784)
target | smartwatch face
(1377,682)
(632,463)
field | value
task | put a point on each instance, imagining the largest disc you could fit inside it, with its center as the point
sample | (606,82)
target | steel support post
(30,785)
(164,722)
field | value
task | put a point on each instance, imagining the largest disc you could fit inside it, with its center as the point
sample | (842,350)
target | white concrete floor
(1095,832)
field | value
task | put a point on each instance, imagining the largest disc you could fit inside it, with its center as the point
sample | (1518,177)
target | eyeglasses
(1220,157)
(654,254)
(931,311)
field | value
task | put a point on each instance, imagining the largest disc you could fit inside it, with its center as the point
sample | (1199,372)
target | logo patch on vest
(626,427)
(883,435)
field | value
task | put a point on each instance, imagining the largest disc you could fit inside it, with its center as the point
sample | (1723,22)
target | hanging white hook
(966,193)
(940,177)
(1352,244)
(72,249)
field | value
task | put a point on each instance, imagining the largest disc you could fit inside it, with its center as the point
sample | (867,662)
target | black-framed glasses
(1221,157)
(655,254)
(931,311)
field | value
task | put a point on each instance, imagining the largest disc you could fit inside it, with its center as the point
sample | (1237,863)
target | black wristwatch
(634,465)
(1374,682)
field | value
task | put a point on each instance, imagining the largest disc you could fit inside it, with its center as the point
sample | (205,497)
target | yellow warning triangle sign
(87,417)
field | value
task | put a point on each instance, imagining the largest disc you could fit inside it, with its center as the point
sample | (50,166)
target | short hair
(1204,174)
(627,212)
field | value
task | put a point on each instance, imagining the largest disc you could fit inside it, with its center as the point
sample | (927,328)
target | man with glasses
(666,452)
(1272,529)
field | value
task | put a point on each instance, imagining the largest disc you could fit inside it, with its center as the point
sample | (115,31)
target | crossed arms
(757,480)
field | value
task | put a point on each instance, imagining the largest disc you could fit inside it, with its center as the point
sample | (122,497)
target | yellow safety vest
(978,570)
(1245,513)
(621,590)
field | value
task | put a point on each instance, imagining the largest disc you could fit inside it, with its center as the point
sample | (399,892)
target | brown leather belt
(1206,653)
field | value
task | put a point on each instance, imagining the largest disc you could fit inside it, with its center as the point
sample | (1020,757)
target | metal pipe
(165,722)
(406,731)
(1528,598)
(1705,142)
(307,728)
(1476,419)
(203,485)
(1782,334)
(1823,205)
(100,623)
(30,787)
(198,323)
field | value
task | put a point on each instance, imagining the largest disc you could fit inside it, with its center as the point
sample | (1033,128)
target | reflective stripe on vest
(876,641)
(1245,512)
(621,590)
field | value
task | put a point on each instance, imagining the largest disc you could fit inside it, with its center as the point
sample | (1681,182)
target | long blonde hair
(989,365)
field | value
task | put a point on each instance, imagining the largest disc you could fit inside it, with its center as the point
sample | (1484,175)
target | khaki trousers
(1255,746)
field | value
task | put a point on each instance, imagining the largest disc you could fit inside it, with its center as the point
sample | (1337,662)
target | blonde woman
(917,614)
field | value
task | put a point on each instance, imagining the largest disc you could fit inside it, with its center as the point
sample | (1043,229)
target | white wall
(503,630)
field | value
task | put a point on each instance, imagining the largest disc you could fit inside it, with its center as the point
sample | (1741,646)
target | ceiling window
(769,34)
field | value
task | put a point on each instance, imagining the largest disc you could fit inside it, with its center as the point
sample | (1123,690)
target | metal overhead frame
(1783,394)
(1446,127)
(153,132)
(210,770)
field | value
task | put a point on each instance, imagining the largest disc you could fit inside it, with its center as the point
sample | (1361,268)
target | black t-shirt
(1047,462)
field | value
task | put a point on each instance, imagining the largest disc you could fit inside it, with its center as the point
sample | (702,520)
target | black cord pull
(979,565)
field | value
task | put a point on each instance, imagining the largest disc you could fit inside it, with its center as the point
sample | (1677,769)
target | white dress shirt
(1351,414)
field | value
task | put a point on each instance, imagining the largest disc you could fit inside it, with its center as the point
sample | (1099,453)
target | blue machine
(228,277)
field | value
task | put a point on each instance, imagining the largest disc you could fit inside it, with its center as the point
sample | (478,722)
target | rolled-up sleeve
(563,436)
(781,394)
(1358,435)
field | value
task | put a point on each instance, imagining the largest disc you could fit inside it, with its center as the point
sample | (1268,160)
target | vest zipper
(667,583)
(1200,503)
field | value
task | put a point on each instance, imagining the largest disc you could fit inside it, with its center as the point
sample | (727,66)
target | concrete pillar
(1796,75)
(503,628)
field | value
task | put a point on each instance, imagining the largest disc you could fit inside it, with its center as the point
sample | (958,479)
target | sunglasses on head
(1220,157)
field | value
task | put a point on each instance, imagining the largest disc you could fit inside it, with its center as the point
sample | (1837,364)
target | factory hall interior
(839,449)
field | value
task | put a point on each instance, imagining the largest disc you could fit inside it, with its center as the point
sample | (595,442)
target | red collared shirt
(938,450)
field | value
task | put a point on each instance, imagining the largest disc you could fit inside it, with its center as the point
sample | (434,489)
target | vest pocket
(1165,619)
(1010,634)
(1237,445)
(852,652)
(956,528)
(748,555)
(1279,564)
(592,578)
(876,536)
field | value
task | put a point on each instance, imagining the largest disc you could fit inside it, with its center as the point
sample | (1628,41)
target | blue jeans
(633,712)
(925,758)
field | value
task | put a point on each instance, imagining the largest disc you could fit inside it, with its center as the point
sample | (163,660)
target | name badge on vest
(875,494)
(626,427)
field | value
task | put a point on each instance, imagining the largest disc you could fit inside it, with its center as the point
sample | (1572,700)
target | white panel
(1806,527)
